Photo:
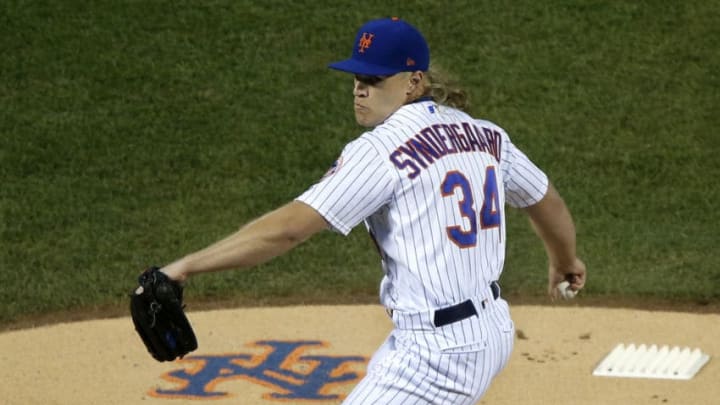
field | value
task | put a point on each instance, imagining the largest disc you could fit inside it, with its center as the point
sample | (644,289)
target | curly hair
(444,90)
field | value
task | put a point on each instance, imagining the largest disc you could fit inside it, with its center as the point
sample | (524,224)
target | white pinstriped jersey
(431,184)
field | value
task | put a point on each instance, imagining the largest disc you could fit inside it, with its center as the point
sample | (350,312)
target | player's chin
(363,122)
(364,118)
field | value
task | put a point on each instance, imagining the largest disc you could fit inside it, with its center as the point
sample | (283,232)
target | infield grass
(134,132)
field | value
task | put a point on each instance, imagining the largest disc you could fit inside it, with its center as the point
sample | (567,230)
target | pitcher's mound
(315,355)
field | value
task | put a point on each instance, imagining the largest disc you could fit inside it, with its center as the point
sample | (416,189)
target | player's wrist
(563,260)
(176,271)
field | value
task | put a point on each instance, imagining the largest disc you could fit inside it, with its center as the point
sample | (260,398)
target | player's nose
(360,89)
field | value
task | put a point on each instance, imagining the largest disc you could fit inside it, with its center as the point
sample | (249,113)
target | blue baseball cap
(385,47)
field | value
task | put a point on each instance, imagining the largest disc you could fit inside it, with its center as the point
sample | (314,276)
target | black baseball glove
(158,313)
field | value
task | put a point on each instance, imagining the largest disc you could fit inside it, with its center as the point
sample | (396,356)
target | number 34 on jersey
(489,216)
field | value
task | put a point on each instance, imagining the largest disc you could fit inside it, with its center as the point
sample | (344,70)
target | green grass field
(134,132)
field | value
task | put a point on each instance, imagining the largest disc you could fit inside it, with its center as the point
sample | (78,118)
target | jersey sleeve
(357,185)
(525,184)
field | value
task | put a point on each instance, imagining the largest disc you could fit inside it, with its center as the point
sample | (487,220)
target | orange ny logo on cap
(365,42)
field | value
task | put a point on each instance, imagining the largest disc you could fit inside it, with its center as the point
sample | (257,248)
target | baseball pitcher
(431,185)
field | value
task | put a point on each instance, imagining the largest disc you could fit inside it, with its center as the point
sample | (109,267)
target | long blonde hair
(444,90)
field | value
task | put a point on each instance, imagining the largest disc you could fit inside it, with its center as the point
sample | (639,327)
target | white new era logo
(652,362)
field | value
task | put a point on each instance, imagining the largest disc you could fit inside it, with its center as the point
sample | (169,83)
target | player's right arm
(527,187)
(553,223)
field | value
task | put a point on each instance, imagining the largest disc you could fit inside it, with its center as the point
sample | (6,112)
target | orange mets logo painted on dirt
(365,42)
(283,366)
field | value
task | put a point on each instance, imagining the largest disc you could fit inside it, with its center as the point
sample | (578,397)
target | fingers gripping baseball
(566,282)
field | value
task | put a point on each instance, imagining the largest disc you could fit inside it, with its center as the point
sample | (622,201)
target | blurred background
(134,132)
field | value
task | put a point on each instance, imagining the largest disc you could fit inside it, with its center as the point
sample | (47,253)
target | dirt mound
(315,354)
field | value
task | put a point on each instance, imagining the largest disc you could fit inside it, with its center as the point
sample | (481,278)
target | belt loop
(495,288)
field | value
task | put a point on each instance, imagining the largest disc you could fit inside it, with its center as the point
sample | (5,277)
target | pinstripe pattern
(411,367)
(411,180)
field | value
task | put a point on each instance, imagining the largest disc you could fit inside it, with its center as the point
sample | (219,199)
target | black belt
(463,310)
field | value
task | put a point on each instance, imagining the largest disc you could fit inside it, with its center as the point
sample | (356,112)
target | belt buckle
(484,303)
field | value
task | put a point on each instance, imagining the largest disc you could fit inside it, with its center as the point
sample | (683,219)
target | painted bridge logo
(283,366)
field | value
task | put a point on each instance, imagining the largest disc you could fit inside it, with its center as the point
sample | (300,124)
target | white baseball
(565,291)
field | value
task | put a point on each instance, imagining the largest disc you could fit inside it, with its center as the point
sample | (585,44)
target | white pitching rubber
(674,363)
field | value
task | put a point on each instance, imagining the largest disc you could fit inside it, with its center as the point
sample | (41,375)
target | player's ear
(415,79)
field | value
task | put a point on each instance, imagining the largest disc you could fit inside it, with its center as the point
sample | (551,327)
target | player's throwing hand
(574,274)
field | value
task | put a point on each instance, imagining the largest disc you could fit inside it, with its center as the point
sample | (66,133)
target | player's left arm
(257,242)
(553,223)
